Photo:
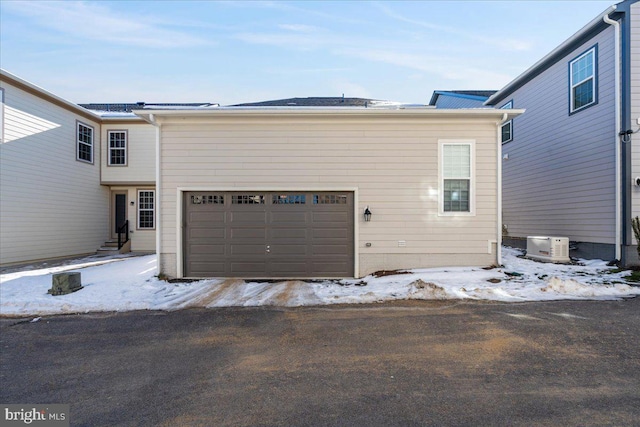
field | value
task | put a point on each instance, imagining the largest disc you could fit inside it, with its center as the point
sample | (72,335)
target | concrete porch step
(110,247)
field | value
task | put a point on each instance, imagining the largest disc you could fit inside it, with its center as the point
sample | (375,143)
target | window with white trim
(506,130)
(117,147)
(146,209)
(84,142)
(456,184)
(583,84)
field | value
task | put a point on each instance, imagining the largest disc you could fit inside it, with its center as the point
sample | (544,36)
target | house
(460,98)
(570,163)
(324,191)
(71,178)
(303,187)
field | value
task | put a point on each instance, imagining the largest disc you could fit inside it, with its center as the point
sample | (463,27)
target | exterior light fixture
(367,214)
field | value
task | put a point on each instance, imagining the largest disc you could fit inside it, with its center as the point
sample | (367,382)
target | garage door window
(207,200)
(247,199)
(288,199)
(329,199)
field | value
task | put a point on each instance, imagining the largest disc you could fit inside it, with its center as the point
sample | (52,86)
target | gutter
(499,123)
(152,120)
(618,219)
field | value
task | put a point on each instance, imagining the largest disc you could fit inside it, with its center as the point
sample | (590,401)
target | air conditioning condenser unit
(548,249)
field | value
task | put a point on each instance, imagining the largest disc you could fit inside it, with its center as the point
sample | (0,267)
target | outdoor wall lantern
(367,214)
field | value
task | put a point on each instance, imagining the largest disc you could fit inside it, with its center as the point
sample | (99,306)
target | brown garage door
(260,234)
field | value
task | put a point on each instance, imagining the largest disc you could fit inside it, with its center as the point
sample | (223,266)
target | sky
(230,52)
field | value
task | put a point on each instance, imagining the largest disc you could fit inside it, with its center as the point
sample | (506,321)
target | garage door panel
(288,268)
(248,233)
(324,249)
(208,269)
(199,233)
(288,218)
(330,268)
(284,235)
(331,233)
(205,251)
(206,217)
(277,234)
(244,268)
(247,249)
(247,217)
(292,250)
(324,218)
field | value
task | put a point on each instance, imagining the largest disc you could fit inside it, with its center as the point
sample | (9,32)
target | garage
(268,234)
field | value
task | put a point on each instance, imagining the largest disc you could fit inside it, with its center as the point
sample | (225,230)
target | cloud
(502,43)
(457,70)
(298,28)
(96,22)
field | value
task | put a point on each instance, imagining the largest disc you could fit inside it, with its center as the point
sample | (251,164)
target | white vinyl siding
(52,205)
(140,155)
(583,80)
(146,209)
(84,140)
(392,162)
(117,140)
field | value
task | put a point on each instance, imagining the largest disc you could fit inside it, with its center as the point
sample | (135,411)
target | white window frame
(110,149)
(508,105)
(472,177)
(145,209)
(594,85)
(79,142)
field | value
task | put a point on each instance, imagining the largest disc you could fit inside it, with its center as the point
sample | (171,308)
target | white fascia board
(461,113)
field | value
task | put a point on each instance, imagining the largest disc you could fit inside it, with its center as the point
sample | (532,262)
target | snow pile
(121,284)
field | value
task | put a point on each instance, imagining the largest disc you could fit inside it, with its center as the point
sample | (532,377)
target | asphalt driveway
(402,364)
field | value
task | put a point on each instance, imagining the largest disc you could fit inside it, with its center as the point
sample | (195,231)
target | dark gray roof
(313,101)
(128,107)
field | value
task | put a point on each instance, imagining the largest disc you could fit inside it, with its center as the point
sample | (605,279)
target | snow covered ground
(121,284)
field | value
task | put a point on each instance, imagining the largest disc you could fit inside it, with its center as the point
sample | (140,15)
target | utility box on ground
(65,283)
(548,249)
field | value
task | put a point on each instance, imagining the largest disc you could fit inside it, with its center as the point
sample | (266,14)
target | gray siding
(559,178)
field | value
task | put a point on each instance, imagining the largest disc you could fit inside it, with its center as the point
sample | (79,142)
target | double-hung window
(506,131)
(457,177)
(117,147)
(583,82)
(146,209)
(84,142)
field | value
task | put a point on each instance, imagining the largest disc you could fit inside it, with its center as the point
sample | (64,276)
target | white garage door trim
(180,204)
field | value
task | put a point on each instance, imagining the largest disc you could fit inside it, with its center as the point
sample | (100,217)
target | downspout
(152,119)
(499,180)
(618,237)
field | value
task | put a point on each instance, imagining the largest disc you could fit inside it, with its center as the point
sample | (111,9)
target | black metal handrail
(123,234)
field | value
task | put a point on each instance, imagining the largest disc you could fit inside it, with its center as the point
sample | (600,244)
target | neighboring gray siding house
(567,171)
(460,98)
